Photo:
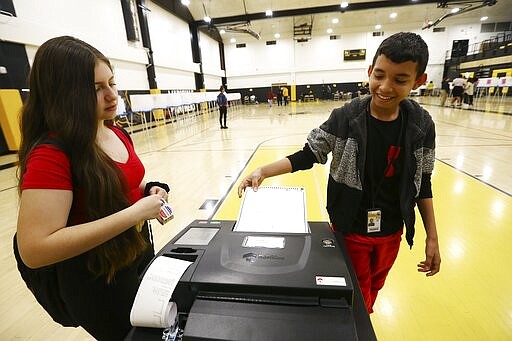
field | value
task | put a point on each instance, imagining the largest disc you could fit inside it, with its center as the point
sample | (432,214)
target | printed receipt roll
(152,306)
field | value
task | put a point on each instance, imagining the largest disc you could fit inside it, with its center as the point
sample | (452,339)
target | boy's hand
(252,180)
(432,263)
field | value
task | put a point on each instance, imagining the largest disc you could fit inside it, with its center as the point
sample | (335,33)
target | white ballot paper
(273,209)
(152,306)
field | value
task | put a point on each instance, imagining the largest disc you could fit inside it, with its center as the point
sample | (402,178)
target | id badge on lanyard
(373,220)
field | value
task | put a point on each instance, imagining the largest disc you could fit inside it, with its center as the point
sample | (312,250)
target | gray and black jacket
(344,135)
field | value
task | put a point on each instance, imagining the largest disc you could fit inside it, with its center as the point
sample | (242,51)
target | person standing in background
(469,90)
(430,89)
(285,95)
(445,90)
(222,101)
(458,90)
(82,240)
(279,97)
(270,97)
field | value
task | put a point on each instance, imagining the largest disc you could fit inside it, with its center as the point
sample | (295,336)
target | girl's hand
(149,207)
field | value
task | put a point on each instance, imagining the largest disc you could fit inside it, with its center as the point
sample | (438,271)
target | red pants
(372,258)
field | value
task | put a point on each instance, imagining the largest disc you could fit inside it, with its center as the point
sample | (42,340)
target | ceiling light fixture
(268,12)
(185,2)
(344,4)
(378,26)
(335,20)
(393,15)
(484,18)
(329,30)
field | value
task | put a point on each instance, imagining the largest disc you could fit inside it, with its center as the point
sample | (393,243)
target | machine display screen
(197,236)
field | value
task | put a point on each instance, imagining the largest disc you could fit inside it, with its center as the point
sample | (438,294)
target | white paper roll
(152,306)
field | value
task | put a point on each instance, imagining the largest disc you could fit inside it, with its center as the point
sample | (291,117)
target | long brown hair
(62,100)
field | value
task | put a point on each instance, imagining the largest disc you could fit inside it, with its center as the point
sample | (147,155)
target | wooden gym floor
(470,299)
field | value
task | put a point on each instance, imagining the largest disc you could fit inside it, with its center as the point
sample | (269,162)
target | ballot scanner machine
(263,286)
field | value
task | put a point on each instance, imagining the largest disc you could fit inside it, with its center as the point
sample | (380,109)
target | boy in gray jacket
(382,160)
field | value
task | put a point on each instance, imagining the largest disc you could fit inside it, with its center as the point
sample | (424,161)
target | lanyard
(393,153)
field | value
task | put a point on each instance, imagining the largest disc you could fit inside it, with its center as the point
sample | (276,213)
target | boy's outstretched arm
(257,176)
(432,262)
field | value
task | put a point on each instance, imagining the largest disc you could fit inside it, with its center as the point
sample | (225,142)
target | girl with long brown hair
(81,241)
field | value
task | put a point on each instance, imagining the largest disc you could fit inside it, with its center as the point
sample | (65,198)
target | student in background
(285,95)
(430,89)
(469,90)
(82,240)
(279,97)
(222,101)
(270,97)
(445,90)
(382,162)
(458,90)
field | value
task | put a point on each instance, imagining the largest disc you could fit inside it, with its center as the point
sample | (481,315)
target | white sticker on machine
(335,281)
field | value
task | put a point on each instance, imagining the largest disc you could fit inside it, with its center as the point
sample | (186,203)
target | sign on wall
(359,54)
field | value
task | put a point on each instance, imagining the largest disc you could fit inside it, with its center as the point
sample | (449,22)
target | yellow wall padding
(10,109)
